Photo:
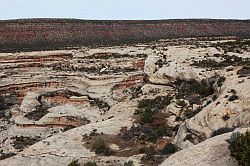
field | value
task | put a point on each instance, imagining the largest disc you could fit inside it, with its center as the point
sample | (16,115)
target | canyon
(167,92)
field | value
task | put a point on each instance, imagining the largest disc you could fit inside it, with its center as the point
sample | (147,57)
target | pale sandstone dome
(211,152)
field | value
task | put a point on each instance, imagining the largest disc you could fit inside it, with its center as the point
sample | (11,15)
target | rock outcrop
(211,152)
(168,100)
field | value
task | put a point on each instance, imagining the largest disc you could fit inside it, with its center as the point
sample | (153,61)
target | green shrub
(222,130)
(136,91)
(169,149)
(100,147)
(189,113)
(239,145)
(160,132)
(233,97)
(244,71)
(164,131)
(187,89)
(149,153)
(129,163)
(147,116)
(100,104)
(74,162)
(90,163)
(157,103)
(221,80)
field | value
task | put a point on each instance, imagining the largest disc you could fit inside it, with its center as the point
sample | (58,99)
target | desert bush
(100,104)
(23,142)
(244,71)
(239,145)
(227,61)
(38,113)
(148,108)
(100,147)
(222,130)
(2,105)
(233,91)
(225,117)
(6,155)
(147,116)
(74,162)
(136,91)
(129,163)
(157,133)
(160,63)
(157,103)
(233,97)
(169,149)
(90,163)
(194,88)
(149,153)
(189,113)
(221,80)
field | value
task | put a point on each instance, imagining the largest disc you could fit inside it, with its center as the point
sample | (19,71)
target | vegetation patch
(22,142)
(95,102)
(225,117)
(244,71)
(92,69)
(101,148)
(7,101)
(221,80)
(129,163)
(113,56)
(100,144)
(152,128)
(135,91)
(155,104)
(189,113)
(233,97)
(169,149)
(237,46)
(222,130)
(74,162)
(226,61)
(90,163)
(239,145)
(38,113)
(194,91)
(161,62)
(6,155)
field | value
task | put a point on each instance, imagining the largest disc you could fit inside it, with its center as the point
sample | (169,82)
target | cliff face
(44,34)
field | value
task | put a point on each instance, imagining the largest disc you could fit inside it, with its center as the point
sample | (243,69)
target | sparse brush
(239,145)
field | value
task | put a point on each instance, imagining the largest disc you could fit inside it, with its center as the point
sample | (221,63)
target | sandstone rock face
(30,102)
(51,92)
(166,69)
(180,94)
(211,152)
(173,68)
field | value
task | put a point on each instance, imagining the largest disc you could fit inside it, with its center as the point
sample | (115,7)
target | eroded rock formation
(147,101)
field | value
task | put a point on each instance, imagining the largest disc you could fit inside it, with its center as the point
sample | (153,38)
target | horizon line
(84,19)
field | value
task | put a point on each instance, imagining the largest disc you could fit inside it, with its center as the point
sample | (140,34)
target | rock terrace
(145,101)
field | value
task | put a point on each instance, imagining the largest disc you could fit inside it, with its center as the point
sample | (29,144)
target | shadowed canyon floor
(163,103)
